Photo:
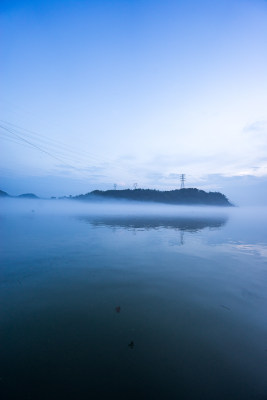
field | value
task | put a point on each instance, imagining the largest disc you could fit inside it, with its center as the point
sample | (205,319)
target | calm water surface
(161,305)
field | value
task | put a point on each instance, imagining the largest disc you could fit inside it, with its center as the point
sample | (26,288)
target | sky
(97,93)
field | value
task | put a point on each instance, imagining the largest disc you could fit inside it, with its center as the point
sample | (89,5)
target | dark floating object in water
(118,309)
(227,308)
(131,345)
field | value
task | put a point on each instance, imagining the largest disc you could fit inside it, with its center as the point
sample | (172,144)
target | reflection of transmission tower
(181,238)
(182,179)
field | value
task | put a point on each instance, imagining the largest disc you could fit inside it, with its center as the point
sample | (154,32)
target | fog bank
(109,208)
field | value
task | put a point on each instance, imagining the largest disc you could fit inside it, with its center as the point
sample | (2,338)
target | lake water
(132,302)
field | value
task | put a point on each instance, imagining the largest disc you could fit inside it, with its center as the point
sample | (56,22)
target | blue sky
(101,92)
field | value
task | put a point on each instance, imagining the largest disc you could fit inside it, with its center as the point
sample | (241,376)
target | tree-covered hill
(183,196)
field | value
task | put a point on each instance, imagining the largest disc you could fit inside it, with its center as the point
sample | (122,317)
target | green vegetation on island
(190,196)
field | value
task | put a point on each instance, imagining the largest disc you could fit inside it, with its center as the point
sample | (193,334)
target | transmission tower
(135,185)
(115,186)
(182,179)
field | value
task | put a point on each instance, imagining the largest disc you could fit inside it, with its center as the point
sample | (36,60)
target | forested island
(190,196)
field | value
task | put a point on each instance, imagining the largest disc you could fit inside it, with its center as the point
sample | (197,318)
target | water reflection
(114,299)
(259,249)
(189,224)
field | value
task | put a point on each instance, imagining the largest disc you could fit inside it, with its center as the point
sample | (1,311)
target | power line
(33,135)
(31,144)
(56,147)
(55,151)
(41,150)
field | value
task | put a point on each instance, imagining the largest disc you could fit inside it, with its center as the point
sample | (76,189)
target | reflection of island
(186,223)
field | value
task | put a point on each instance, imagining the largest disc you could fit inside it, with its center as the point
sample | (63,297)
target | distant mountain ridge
(3,194)
(190,196)
(28,196)
(21,196)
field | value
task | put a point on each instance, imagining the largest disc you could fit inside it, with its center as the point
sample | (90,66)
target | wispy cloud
(256,126)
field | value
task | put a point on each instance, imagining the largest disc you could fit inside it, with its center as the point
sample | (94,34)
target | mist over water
(126,300)
(102,207)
